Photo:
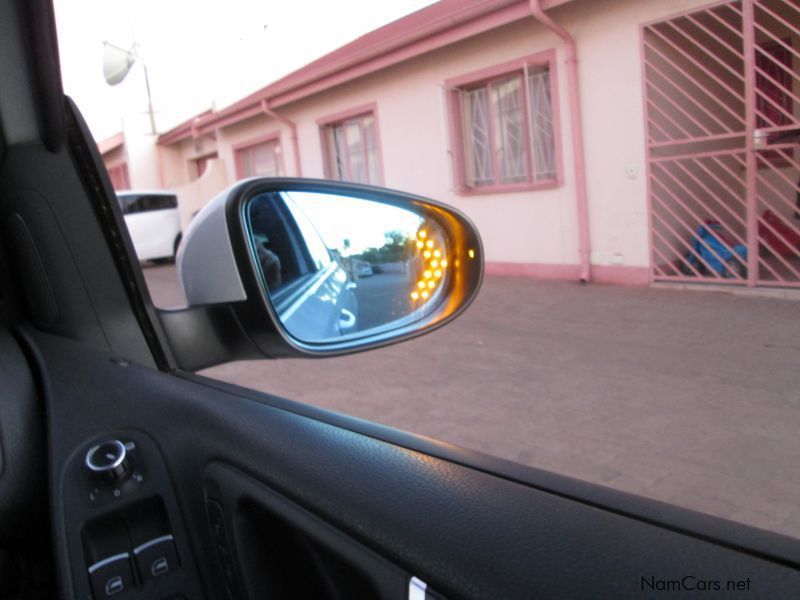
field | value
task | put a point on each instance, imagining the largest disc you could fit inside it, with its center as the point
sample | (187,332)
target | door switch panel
(126,533)
(129,548)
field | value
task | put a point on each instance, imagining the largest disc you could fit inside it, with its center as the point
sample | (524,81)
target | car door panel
(24,506)
(275,549)
(22,453)
(365,506)
(466,532)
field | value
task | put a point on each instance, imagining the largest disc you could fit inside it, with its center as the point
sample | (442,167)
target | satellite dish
(117,63)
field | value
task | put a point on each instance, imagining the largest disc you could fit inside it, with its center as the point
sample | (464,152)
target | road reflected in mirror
(337,267)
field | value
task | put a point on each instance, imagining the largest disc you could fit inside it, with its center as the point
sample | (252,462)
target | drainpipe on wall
(292,128)
(584,244)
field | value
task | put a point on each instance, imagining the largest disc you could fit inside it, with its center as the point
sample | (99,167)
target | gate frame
(748,149)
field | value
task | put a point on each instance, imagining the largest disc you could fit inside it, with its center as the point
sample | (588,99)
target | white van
(153,222)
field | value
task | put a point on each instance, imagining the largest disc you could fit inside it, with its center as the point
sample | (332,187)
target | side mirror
(301,267)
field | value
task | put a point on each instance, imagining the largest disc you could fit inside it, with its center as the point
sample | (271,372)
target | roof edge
(111,143)
(435,26)
(183,130)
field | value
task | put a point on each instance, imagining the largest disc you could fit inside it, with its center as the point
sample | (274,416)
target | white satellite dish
(117,63)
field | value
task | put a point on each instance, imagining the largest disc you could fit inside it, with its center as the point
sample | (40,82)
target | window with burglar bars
(352,150)
(508,137)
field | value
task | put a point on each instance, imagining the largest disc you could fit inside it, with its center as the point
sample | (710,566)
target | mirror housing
(230,314)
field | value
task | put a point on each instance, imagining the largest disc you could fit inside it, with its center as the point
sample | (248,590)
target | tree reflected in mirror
(337,267)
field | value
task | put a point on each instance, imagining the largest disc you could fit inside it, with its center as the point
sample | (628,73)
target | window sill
(506,189)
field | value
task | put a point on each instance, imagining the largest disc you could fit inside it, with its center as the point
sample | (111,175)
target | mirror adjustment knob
(108,461)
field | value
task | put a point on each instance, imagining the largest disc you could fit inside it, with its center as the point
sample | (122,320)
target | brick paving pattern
(688,397)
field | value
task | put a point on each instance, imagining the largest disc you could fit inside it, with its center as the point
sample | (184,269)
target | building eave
(425,30)
(184,130)
(111,143)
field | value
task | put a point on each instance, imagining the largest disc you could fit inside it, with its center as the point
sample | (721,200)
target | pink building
(608,140)
(115,158)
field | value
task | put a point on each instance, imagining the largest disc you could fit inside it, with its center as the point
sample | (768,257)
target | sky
(200,53)
(362,222)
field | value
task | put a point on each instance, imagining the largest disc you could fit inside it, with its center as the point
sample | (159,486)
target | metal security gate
(722,103)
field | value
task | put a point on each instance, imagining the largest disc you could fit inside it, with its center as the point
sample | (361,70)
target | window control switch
(111,577)
(156,558)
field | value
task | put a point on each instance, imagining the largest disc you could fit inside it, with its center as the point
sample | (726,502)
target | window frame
(140,203)
(308,272)
(340,118)
(238,149)
(455,86)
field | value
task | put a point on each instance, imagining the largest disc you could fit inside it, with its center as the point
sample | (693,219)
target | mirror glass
(339,267)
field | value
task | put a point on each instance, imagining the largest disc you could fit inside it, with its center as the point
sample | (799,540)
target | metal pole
(576,125)
(149,101)
(750,149)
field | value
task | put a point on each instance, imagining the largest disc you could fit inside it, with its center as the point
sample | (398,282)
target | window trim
(237,149)
(138,199)
(453,88)
(323,123)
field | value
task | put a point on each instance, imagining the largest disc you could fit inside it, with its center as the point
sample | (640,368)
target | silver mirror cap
(206,264)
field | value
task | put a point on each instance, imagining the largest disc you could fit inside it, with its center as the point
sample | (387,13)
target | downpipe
(576,125)
(265,108)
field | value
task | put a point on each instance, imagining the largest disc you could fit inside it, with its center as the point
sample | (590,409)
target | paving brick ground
(688,397)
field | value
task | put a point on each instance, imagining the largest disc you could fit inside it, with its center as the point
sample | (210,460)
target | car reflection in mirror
(336,266)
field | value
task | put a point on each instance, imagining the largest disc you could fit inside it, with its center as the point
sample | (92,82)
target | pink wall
(181,158)
(115,157)
(536,229)
(415,145)
(608,43)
